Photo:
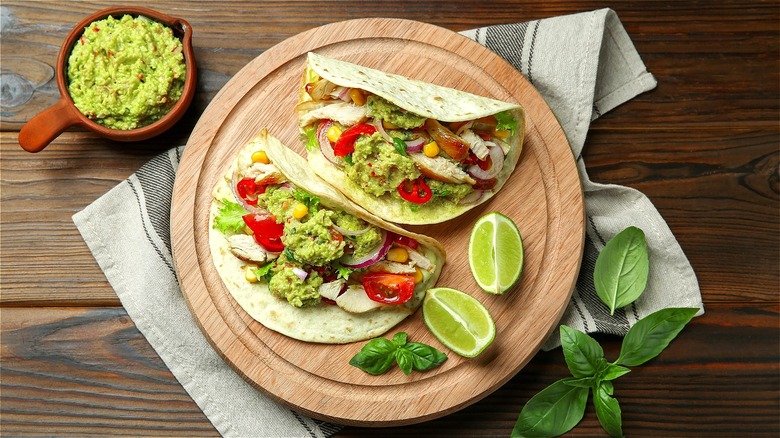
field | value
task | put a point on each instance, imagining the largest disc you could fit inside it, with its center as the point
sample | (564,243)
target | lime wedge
(458,320)
(495,253)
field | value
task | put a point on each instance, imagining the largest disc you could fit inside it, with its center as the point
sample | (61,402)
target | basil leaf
(376,357)
(608,409)
(583,354)
(425,357)
(399,339)
(651,334)
(404,359)
(552,412)
(399,145)
(584,382)
(620,274)
(613,371)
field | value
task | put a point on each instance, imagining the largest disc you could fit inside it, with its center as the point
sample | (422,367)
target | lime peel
(495,253)
(454,318)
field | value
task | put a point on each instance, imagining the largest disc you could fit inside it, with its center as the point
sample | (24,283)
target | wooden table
(703,146)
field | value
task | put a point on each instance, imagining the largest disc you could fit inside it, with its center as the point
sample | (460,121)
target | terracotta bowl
(46,126)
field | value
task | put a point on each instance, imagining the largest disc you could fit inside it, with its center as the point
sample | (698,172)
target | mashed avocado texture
(383,110)
(312,242)
(126,73)
(377,167)
(299,293)
(362,243)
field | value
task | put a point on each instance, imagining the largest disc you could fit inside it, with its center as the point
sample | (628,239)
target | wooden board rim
(189,262)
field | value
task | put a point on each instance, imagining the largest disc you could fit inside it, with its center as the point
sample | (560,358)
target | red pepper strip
(415,191)
(405,241)
(345,145)
(267,232)
(248,190)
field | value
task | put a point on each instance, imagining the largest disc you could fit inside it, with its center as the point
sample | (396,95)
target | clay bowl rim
(181,29)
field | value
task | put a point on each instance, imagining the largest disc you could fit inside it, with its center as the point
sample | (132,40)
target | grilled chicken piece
(331,289)
(420,260)
(345,113)
(245,248)
(355,300)
(441,169)
(476,143)
(392,267)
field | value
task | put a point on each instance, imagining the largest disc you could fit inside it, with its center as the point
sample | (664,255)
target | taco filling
(311,251)
(409,156)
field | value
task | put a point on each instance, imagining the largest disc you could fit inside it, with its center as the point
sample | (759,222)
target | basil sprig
(379,354)
(621,270)
(560,406)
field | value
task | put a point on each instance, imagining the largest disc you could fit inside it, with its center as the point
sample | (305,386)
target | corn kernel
(418,275)
(300,210)
(431,149)
(503,134)
(357,97)
(249,273)
(248,230)
(334,132)
(398,254)
(260,157)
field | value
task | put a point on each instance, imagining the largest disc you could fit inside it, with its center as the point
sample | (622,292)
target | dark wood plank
(81,371)
(715,68)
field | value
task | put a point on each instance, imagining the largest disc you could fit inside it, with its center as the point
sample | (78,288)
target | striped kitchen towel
(583,64)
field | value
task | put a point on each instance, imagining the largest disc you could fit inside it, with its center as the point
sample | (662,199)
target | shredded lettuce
(506,121)
(311,138)
(230,217)
(265,271)
(310,201)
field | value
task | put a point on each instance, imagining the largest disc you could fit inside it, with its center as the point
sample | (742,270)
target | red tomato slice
(405,241)
(267,232)
(388,288)
(345,144)
(248,189)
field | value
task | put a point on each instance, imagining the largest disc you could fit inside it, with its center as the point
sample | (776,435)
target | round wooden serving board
(543,197)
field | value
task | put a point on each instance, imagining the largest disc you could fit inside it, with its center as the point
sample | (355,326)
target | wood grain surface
(543,196)
(703,146)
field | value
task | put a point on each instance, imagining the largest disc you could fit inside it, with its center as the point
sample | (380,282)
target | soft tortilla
(324,323)
(422,98)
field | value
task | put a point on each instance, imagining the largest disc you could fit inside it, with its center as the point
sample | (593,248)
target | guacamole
(312,242)
(362,243)
(453,192)
(377,167)
(300,293)
(126,73)
(381,109)
(277,201)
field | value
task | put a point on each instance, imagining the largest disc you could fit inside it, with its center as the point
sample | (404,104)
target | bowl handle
(37,133)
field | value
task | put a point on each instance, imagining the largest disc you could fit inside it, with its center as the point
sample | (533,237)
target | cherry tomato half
(248,190)
(405,241)
(415,191)
(345,144)
(388,288)
(267,232)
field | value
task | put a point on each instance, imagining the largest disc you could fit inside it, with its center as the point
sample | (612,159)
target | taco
(407,151)
(303,260)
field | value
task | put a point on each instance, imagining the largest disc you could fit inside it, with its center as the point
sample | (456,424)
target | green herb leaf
(583,354)
(425,357)
(289,255)
(613,371)
(608,409)
(399,339)
(348,160)
(265,271)
(230,217)
(311,138)
(552,412)
(506,121)
(343,272)
(651,334)
(376,357)
(404,359)
(310,201)
(399,145)
(620,274)
(584,382)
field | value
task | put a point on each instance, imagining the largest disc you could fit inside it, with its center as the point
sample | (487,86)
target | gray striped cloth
(583,64)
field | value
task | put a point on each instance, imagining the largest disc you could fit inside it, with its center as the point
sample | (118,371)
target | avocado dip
(126,73)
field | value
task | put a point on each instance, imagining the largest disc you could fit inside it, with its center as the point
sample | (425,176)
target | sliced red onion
(372,257)
(415,145)
(471,198)
(497,163)
(351,233)
(300,273)
(250,208)
(381,129)
(343,93)
(325,147)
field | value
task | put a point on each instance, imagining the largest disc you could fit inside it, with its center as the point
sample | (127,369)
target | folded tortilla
(322,323)
(447,106)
